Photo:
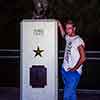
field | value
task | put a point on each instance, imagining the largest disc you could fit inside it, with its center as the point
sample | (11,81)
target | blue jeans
(71,80)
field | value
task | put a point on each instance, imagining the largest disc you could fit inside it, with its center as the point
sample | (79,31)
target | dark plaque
(38,76)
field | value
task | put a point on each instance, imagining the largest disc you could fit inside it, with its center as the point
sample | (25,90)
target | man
(74,57)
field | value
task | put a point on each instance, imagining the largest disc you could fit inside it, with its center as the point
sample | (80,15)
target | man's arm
(61,29)
(81,60)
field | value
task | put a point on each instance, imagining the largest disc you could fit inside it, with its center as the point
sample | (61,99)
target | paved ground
(83,95)
(7,93)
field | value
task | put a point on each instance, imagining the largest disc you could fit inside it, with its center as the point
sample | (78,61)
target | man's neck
(72,35)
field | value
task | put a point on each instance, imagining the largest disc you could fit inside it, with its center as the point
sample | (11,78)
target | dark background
(86,13)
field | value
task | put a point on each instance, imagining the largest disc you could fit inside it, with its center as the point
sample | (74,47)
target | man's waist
(68,65)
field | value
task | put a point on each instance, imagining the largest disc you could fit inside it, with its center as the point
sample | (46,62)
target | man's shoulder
(79,38)
(65,36)
(79,41)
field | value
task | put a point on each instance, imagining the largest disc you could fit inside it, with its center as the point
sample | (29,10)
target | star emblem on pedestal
(38,52)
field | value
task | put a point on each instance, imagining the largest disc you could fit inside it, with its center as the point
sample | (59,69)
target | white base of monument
(39,66)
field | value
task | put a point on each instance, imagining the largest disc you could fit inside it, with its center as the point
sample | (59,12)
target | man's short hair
(70,22)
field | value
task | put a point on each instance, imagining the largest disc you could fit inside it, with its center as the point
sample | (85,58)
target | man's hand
(71,69)
(59,24)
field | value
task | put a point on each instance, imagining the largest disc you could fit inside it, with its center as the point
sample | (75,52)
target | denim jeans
(71,80)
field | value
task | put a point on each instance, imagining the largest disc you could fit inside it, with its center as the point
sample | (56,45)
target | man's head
(70,28)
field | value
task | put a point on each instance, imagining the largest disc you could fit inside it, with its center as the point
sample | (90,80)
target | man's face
(70,29)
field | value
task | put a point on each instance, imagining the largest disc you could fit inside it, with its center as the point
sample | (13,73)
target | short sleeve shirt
(71,55)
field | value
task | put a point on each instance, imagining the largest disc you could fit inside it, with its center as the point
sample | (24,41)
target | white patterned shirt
(71,55)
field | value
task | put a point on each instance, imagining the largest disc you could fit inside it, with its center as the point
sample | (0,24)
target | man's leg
(75,77)
(71,80)
(65,77)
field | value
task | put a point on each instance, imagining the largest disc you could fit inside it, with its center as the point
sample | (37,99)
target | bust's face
(37,6)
